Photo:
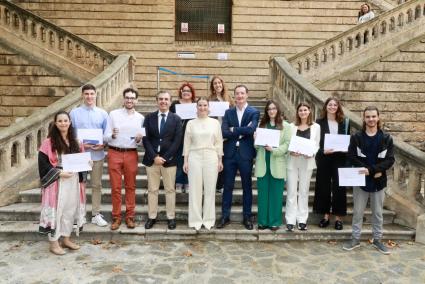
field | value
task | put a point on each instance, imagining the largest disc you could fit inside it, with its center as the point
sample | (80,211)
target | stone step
(28,231)
(34,196)
(142,181)
(31,212)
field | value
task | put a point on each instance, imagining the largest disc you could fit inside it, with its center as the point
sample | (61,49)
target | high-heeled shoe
(324,223)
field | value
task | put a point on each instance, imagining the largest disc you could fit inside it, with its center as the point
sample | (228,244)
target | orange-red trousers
(119,164)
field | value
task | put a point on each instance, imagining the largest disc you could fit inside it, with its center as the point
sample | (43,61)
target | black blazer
(324,129)
(169,139)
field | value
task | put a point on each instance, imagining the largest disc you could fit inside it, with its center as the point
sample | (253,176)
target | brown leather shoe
(116,223)
(130,223)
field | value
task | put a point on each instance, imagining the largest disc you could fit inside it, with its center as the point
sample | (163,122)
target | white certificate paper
(90,136)
(79,162)
(351,177)
(186,111)
(268,137)
(130,133)
(303,146)
(336,142)
(218,108)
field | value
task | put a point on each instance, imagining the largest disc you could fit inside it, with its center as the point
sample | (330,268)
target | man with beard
(123,136)
(371,149)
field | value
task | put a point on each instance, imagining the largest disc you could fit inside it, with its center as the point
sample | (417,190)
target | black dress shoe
(261,227)
(149,223)
(338,225)
(248,224)
(222,223)
(171,224)
(274,228)
(324,223)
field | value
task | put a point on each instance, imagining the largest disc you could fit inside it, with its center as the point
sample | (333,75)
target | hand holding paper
(79,162)
(336,142)
(351,177)
(267,137)
(302,146)
(90,136)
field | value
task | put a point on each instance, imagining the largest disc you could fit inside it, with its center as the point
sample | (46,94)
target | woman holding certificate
(218,93)
(300,167)
(186,96)
(63,193)
(270,170)
(329,197)
(203,151)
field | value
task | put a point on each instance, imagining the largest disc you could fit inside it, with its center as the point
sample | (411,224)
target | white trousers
(202,176)
(297,191)
(67,207)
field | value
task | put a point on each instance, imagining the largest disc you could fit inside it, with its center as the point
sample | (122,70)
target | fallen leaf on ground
(117,269)
(332,242)
(370,241)
(392,244)
(187,253)
(96,242)
(410,243)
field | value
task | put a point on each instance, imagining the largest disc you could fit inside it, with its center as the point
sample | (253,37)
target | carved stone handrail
(345,46)
(404,191)
(27,30)
(19,142)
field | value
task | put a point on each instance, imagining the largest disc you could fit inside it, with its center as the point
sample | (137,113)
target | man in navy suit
(238,127)
(163,129)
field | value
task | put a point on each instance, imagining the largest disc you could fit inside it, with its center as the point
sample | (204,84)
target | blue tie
(161,126)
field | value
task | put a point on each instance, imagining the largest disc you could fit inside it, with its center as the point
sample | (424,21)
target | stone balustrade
(405,191)
(56,40)
(19,142)
(354,41)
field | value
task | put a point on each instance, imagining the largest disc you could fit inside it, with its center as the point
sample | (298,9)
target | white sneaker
(98,220)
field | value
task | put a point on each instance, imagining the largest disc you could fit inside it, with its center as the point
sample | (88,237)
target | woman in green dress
(270,170)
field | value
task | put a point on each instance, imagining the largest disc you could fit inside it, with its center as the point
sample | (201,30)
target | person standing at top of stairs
(123,136)
(365,14)
(89,116)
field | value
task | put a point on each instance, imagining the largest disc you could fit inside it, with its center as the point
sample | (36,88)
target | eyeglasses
(130,98)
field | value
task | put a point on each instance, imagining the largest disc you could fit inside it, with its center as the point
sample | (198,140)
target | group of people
(204,154)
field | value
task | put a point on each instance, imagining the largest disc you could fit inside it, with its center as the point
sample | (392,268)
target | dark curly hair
(58,144)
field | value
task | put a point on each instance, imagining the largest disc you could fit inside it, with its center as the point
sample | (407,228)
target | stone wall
(260,29)
(395,84)
(26,87)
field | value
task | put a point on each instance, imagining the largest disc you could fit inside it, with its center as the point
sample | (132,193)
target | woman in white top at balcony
(203,151)
(365,14)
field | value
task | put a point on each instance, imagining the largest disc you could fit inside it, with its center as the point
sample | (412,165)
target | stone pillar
(420,229)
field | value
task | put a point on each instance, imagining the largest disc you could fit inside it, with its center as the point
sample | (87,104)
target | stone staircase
(20,220)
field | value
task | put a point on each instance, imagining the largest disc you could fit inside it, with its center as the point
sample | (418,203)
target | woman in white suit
(300,169)
(203,151)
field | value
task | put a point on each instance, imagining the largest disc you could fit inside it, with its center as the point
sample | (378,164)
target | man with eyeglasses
(123,135)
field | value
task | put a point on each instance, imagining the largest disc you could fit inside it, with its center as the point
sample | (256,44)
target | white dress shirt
(128,124)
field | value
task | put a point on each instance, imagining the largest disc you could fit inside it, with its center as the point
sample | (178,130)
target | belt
(122,149)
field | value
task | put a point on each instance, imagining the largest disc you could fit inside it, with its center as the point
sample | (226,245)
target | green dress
(270,196)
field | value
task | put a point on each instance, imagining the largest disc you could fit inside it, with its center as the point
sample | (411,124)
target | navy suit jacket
(169,139)
(243,133)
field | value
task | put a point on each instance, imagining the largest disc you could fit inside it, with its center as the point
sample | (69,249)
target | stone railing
(334,52)
(405,183)
(19,142)
(30,32)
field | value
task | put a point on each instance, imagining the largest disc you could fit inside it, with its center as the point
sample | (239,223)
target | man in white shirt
(123,136)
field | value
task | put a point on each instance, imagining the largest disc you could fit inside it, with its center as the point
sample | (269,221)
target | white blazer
(315,136)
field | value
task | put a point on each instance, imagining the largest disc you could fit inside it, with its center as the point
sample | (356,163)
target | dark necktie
(161,126)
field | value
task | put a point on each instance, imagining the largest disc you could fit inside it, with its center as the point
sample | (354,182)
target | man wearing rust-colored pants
(123,136)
